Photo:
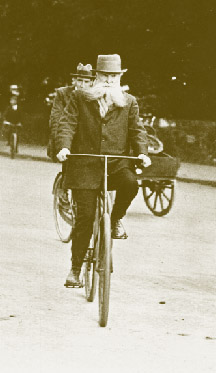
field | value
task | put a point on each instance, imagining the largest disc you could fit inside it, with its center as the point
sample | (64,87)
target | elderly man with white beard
(103,119)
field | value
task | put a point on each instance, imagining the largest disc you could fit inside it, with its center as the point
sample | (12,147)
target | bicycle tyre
(91,262)
(91,275)
(13,145)
(64,220)
(105,263)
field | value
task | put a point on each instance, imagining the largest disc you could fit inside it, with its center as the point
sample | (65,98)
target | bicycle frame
(101,258)
(105,157)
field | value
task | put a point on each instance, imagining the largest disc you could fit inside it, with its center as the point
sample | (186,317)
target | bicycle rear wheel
(13,144)
(91,261)
(64,213)
(105,264)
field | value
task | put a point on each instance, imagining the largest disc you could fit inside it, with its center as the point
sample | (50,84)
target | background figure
(83,78)
(12,116)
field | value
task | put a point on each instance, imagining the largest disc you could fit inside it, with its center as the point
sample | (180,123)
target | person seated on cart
(12,117)
(101,120)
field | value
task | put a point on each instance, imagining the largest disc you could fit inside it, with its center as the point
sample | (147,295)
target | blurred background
(168,47)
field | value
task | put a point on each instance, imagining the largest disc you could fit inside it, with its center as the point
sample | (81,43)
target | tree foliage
(157,40)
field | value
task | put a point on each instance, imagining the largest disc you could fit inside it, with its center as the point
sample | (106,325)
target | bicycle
(98,261)
(13,139)
(64,209)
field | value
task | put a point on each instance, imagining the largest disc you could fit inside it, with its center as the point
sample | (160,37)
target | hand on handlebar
(146,161)
(62,155)
(7,123)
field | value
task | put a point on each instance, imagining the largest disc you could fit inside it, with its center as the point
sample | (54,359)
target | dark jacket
(82,130)
(61,100)
(13,116)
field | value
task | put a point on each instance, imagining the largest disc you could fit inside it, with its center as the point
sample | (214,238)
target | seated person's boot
(118,230)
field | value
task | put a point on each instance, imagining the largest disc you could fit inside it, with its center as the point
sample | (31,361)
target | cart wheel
(91,260)
(105,267)
(158,196)
(63,210)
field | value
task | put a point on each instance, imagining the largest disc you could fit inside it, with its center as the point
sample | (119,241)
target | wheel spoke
(168,186)
(155,201)
(167,198)
(161,202)
(150,195)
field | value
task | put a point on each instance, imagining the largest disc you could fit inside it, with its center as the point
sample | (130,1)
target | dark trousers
(126,186)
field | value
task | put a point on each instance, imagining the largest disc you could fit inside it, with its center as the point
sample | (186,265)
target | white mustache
(105,84)
(108,85)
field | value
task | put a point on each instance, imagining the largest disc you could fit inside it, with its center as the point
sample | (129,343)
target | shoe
(118,231)
(72,279)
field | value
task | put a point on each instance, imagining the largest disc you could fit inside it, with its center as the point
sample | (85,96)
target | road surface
(162,307)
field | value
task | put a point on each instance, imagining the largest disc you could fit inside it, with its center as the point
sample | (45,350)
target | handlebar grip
(138,171)
(138,166)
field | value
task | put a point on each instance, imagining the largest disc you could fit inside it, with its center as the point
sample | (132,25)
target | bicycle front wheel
(91,260)
(91,274)
(105,264)
(63,211)
(13,145)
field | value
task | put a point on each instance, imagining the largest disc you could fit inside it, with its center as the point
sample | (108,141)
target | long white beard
(107,95)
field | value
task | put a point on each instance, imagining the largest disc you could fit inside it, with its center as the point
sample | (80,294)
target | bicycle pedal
(123,237)
(74,286)
(88,255)
(99,270)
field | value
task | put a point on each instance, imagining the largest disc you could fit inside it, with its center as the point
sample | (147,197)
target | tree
(157,40)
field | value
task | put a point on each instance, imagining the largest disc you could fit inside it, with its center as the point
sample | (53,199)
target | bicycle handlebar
(106,155)
(138,170)
(12,124)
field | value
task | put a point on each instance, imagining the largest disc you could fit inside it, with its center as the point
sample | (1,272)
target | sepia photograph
(107,186)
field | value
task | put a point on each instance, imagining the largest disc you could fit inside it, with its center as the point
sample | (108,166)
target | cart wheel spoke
(167,198)
(150,195)
(155,201)
(161,202)
(168,186)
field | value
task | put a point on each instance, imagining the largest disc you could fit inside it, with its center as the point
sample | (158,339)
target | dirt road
(162,308)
